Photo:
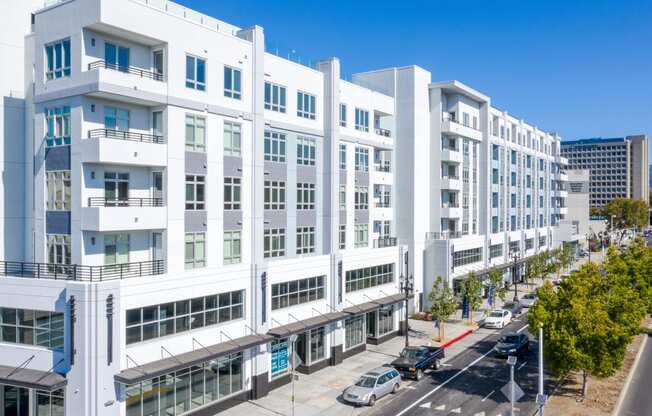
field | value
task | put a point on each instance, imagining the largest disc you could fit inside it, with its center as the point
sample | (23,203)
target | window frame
(309,145)
(57,65)
(305,240)
(306,195)
(275,146)
(274,195)
(305,99)
(194,83)
(233,188)
(196,240)
(196,185)
(232,130)
(198,123)
(234,240)
(234,90)
(275,97)
(272,237)
(58,194)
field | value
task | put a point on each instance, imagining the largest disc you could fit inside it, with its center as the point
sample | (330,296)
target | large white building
(181,204)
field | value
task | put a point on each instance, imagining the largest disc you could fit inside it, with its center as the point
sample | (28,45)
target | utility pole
(541,398)
(407,286)
(515,276)
(293,341)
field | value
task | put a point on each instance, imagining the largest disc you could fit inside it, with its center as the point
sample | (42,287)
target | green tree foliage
(627,213)
(497,281)
(634,267)
(471,289)
(443,303)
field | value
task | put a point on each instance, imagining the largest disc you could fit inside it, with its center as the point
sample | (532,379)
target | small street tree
(471,290)
(497,283)
(565,256)
(624,213)
(443,304)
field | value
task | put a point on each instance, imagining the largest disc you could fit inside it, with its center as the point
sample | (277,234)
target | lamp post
(515,275)
(407,286)
(588,245)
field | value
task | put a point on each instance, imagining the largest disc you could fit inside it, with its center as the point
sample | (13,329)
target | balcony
(126,69)
(449,210)
(110,80)
(383,167)
(81,273)
(383,132)
(385,242)
(382,204)
(124,148)
(450,126)
(451,182)
(444,235)
(449,154)
(121,215)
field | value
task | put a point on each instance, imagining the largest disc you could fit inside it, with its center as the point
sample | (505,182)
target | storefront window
(50,404)
(354,331)
(317,345)
(385,320)
(279,357)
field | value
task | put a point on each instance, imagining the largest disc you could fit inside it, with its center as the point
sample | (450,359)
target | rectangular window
(195,250)
(513,247)
(343,115)
(274,195)
(232,139)
(195,73)
(513,178)
(343,156)
(59,249)
(195,133)
(361,120)
(116,57)
(513,156)
(195,195)
(306,105)
(494,151)
(361,235)
(58,187)
(342,236)
(362,159)
(367,277)
(495,250)
(305,196)
(306,151)
(317,344)
(32,327)
(343,197)
(465,119)
(296,292)
(494,200)
(385,320)
(494,176)
(57,56)
(232,193)
(494,224)
(529,243)
(116,249)
(232,247)
(361,197)
(464,257)
(232,83)
(274,242)
(274,147)
(57,122)
(305,240)
(164,319)
(116,118)
(274,97)
(354,332)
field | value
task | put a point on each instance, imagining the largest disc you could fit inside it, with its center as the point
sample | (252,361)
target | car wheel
(419,374)
(395,388)
(372,400)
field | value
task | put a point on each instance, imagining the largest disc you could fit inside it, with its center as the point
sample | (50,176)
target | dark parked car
(512,344)
(514,307)
(413,361)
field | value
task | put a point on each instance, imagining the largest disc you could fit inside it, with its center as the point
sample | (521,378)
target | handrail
(128,202)
(127,69)
(125,135)
(385,242)
(81,273)
(383,167)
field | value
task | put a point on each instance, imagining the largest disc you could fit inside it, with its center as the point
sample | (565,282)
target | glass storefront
(279,350)
(17,401)
(354,332)
(385,320)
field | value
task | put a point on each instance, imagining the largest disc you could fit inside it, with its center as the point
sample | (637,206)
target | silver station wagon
(372,386)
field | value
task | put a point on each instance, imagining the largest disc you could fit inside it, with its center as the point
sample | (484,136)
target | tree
(443,303)
(471,290)
(634,265)
(566,256)
(497,283)
(626,213)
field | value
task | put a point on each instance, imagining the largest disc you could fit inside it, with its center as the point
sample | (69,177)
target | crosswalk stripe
(458,410)
(441,407)
(479,414)
(426,405)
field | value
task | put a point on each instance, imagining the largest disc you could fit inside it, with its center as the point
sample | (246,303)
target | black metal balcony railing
(127,69)
(125,135)
(383,204)
(383,132)
(385,242)
(81,273)
(450,204)
(383,167)
(129,202)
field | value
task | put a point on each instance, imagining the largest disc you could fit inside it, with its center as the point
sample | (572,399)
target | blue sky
(580,68)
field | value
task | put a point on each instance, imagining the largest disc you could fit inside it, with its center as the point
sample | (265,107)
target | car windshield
(529,296)
(496,314)
(509,339)
(411,354)
(366,381)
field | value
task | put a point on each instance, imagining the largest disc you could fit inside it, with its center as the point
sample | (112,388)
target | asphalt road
(638,400)
(469,384)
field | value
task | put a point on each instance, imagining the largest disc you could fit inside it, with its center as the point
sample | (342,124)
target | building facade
(618,166)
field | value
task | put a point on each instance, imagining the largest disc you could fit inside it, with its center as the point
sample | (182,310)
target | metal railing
(129,202)
(383,132)
(125,135)
(383,204)
(451,177)
(385,242)
(450,204)
(81,273)
(383,167)
(126,69)
(444,235)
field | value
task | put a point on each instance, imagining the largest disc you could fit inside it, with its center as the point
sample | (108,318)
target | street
(470,384)
(638,400)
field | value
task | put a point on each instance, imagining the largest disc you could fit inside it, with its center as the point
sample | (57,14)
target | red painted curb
(457,338)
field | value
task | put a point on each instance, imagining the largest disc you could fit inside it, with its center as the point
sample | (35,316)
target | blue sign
(465,308)
(490,296)
(279,357)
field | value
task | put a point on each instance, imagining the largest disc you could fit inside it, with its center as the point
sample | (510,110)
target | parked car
(414,361)
(528,300)
(514,307)
(372,386)
(512,344)
(498,318)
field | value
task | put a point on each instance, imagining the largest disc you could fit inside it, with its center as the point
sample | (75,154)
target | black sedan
(512,344)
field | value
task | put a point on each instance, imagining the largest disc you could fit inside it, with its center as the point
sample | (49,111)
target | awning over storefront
(375,304)
(188,359)
(31,379)
(306,324)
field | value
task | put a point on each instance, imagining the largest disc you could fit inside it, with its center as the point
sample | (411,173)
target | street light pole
(407,285)
(515,277)
(541,396)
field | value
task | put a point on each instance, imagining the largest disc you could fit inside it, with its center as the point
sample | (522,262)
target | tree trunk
(585,383)
(441,331)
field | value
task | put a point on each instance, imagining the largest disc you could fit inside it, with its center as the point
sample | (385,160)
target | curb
(628,380)
(457,338)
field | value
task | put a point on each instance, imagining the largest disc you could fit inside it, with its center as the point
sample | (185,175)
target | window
(513,247)
(306,105)
(306,149)
(475,122)
(465,119)
(195,73)
(464,257)
(157,321)
(528,201)
(317,344)
(195,250)
(32,327)
(195,133)
(57,126)
(59,249)
(542,241)
(116,249)
(494,151)
(343,197)
(232,193)
(494,200)
(232,87)
(367,277)
(342,236)
(494,176)
(362,159)
(513,200)
(529,243)
(305,240)
(116,118)
(495,250)
(361,120)
(195,197)
(274,195)
(57,55)
(232,139)
(296,292)
(342,156)
(274,97)
(513,175)
(116,57)
(274,147)
(361,197)
(232,247)
(513,157)
(274,242)
(305,196)
(385,320)
(50,403)
(58,186)
(343,115)
(494,224)
(361,235)
(354,334)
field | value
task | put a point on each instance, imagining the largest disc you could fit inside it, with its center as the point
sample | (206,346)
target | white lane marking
(458,410)
(479,414)
(522,365)
(410,387)
(426,405)
(453,377)
(521,329)
(441,407)
(487,396)
(445,365)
